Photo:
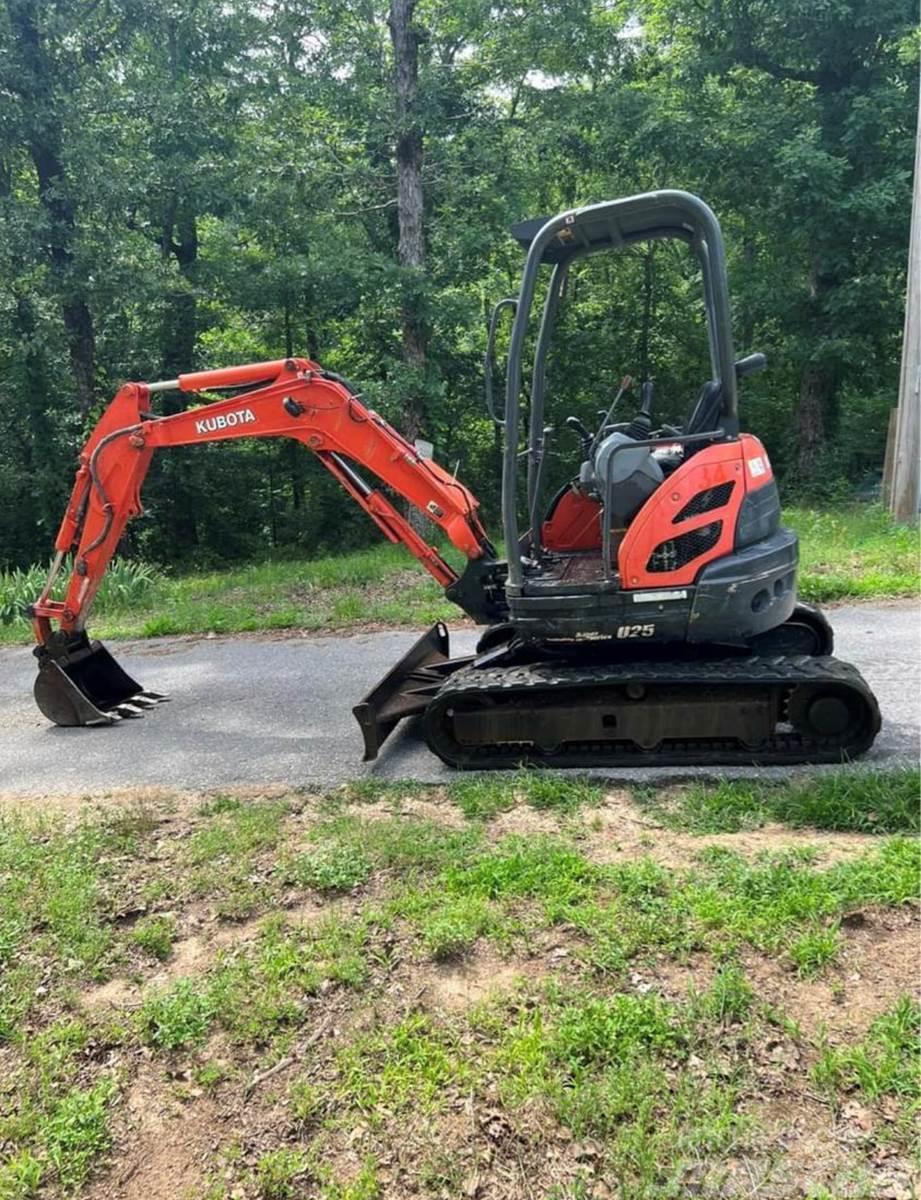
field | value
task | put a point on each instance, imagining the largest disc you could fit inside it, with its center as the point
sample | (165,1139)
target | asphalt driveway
(265,711)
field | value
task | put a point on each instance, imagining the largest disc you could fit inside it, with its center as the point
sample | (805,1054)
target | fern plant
(125,584)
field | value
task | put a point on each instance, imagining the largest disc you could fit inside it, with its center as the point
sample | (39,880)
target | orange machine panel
(574,524)
(688,522)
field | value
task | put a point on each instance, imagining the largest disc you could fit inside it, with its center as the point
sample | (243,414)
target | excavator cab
(590,552)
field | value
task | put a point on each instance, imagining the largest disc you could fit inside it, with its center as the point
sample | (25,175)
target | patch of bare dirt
(523,821)
(163,1145)
(196,952)
(805,1149)
(459,985)
(154,802)
(114,993)
(417,808)
(879,961)
(619,830)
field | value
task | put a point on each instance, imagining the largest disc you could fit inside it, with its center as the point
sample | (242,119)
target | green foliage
(224,849)
(53,884)
(794,124)
(364,1186)
(77,1132)
(20,1176)
(126,585)
(854,552)
(885,1062)
(278,1172)
(728,1000)
(176,1018)
(813,950)
(861,801)
(450,929)
(306,1101)
(410,1063)
(266,990)
(331,868)
(614,1067)
(602,1032)
(482,797)
(155,935)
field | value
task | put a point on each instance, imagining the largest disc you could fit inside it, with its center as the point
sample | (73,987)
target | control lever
(625,383)
(641,426)
(585,438)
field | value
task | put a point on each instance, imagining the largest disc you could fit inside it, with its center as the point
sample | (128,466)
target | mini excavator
(645,613)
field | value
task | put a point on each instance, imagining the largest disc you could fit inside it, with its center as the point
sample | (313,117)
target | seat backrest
(706,413)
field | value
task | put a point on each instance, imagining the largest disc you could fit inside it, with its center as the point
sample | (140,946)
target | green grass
(53,885)
(853,552)
(176,1018)
(619,1068)
(278,1173)
(223,852)
(629,1035)
(885,1062)
(776,903)
(482,797)
(155,935)
(858,801)
(382,585)
(266,990)
(57,1127)
(407,1064)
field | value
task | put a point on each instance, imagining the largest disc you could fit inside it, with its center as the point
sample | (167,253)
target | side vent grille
(705,501)
(678,551)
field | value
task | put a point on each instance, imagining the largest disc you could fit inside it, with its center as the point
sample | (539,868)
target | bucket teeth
(130,711)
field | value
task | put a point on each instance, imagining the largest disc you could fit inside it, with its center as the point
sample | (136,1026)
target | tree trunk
(816,393)
(180,325)
(815,411)
(179,241)
(44,138)
(410,203)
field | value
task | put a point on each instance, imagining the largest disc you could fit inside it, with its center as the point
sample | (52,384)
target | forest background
(207,182)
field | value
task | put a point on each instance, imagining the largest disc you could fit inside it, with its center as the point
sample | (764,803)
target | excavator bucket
(82,684)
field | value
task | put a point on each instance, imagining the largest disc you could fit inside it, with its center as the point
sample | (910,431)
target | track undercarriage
(782,699)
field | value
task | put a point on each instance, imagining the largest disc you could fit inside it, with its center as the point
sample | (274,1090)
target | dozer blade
(407,688)
(80,683)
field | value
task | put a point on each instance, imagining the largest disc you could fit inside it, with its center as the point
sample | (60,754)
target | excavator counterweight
(647,611)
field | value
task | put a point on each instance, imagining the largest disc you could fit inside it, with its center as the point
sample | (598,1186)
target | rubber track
(782,672)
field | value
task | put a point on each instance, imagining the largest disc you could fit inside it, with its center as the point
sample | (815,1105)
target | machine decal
(756,466)
(242,416)
(636,631)
(651,597)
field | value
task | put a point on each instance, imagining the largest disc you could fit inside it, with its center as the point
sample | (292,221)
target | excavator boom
(79,682)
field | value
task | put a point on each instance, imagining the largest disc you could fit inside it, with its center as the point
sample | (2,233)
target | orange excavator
(645,612)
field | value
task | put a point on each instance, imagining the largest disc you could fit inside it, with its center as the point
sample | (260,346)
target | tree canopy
(194,183)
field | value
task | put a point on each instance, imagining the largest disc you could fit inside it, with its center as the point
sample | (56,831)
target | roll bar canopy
(612,225)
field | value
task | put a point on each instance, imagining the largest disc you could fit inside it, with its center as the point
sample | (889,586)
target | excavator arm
(292,398)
